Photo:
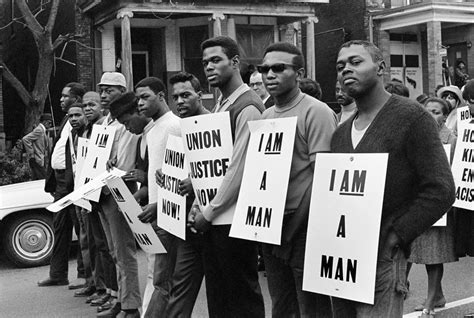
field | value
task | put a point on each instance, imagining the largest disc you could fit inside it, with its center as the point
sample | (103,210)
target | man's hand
(111,163)
(185,187)
(136,175)
(149,213)
(159,178)
(192,217)
(201,224)
(392,241)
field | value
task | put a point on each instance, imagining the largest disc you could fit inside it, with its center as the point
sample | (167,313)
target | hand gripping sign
(143,232)
(261,203)
(171,207)
(208,146)
(344,225)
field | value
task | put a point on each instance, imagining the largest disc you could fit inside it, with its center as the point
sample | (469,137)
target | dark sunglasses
(276,68)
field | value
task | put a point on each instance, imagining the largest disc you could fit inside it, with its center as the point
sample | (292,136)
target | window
(191,39)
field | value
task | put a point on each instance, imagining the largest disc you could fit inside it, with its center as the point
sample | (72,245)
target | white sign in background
(261,203)
(98,153)
(143,232)
(171,208)
(463,167)
(344,225)
(208,146)
(463,115)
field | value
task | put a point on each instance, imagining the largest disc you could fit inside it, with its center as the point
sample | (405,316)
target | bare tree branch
(52,16)
(19,87)
(32,23)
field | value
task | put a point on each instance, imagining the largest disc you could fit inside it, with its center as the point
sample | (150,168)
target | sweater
(419,186)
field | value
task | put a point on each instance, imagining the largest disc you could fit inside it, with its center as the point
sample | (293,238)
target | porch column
(310,47)
(127,70)
(108,48)
(433,39)
(231,28)
(216,23)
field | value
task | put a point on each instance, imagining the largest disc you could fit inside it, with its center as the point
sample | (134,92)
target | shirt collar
(222,105)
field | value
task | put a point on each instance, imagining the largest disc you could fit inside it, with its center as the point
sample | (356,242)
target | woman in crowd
(436,246)
(452,94)
(460,74)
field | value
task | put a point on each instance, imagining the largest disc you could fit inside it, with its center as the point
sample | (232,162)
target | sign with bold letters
(208,146)
(261,203)
(85,190)
(463,167)
(82,144)
(171,208)
(143,232)
(463,115)
(98,153)
(344,225)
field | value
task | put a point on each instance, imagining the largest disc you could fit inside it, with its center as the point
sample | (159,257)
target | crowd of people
(373,119)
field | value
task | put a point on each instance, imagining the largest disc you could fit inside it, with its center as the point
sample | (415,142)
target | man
(230,264)
(59,182)
(95,246)
(120,237)
(256,84)
(36,145)
(347,103)
(282,70)
(312,88)
(152,104)
(416,193)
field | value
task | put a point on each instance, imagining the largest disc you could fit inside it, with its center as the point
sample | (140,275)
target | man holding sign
(230,264)
(416,194)
(282,69)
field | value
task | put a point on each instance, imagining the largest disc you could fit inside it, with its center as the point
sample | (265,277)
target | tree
(34,100)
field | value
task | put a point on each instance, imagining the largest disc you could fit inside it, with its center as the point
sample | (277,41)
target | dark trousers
(230,267)
(104,270)
(86,244)
(63,223)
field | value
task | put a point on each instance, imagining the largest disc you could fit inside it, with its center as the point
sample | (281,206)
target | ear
(235,62)
(300,74)
(381,67)
(200,95)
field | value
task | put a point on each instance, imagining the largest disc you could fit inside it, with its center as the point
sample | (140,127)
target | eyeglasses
(276,68)
(255,84)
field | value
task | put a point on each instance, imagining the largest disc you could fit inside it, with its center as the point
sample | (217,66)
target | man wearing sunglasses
(282,69)
(230,264)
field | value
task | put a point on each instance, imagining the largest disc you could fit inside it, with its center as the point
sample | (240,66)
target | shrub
(13,169)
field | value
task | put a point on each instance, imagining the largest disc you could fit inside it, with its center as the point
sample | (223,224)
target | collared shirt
(222,105)
(146,130)
(58,157)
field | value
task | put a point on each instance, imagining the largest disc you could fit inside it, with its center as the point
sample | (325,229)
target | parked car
(26,226)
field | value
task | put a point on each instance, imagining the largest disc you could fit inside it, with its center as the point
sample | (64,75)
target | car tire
(28,238)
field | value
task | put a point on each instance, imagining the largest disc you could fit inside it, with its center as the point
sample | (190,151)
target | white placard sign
(463,167)
(171,208)
(143,232)
(344,225)
(98,153)
(261,203)
(81,153)
(85,190)
(443,221)
(208,146)
(463,115)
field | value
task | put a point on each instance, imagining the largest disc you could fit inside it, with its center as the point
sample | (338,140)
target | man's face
(282,77)
(149,103)
(92,107)
(256,83)
(217,66)
(66,99)
(134,123)
(108,93)
(77,119)
(356,71)
(342,98)
(187,100)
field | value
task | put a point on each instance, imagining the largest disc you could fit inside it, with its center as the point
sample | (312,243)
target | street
(20,296)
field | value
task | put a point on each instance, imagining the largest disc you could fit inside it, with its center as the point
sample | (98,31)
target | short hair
(75,104)
(468,92)
(373,50)
(445,106)
(397,88)
(310,87)
(76,89)
(298,59)
(155,84)
(422,98)
(182,77)
(228,45)
(459,62)
(123,104)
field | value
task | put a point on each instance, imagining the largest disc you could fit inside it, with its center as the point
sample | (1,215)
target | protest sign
(143,232)
(463,167)
(81,153)
(344,225)
(208,146)
(98,153)
(85,190)
(261,204)
(171,208)
(443,221)
(463,115)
